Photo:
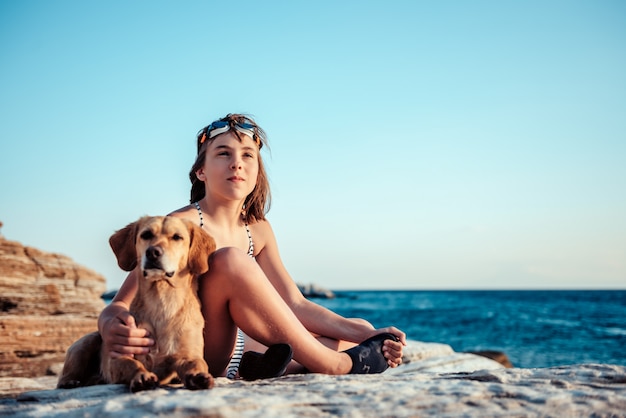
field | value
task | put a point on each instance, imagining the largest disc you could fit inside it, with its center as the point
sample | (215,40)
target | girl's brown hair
(257,203)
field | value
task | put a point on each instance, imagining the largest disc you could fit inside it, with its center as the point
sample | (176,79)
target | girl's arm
(120,335)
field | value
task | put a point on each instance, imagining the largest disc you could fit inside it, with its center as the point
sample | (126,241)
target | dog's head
(162,246)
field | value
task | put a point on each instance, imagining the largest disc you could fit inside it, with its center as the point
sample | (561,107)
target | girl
(248,298)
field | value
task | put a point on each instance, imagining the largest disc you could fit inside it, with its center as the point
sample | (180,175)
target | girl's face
(231,166)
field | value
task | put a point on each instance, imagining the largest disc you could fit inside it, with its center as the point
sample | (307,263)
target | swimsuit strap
(199,214)
(250,242)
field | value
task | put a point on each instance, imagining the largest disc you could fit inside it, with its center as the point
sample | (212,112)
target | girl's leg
(295,367)
(236,293)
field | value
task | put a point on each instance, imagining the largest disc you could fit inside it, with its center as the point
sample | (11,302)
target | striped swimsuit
(233,365)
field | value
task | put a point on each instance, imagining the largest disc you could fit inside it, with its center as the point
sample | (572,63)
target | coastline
(50,301)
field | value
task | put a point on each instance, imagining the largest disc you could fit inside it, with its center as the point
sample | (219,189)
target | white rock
(442,384)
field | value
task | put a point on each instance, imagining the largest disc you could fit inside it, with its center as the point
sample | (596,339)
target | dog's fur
(168,254)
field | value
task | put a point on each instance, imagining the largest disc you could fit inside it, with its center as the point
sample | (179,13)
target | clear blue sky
(452,144)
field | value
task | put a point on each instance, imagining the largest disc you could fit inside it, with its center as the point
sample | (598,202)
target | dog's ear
(123,246)
(201,247)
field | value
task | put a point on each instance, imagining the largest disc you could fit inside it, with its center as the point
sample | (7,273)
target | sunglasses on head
(221,126)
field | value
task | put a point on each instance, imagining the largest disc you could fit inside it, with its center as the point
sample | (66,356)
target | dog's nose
(154,253)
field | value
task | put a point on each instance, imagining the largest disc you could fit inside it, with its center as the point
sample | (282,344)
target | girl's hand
(393,349)
(122,338)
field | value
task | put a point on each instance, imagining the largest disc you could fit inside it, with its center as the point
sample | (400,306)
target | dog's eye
(146,235)
(177,237)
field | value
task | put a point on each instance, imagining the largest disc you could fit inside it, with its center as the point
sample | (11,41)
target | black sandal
(272,363)
(368,357)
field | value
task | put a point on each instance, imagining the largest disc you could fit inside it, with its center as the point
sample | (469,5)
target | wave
(560,322)
(614,331)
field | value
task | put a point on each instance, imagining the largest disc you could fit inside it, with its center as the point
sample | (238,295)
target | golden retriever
(168,253)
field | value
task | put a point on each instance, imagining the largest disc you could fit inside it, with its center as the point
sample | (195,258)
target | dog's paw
(69,384)
(144,381)
(199,381)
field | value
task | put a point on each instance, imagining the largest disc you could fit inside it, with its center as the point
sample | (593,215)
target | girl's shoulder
(262,233)
(186,212)
(260,227)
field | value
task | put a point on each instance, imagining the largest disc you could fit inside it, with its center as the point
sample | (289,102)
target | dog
(168,254)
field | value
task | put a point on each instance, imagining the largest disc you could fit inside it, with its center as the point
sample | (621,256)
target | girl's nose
(236,163)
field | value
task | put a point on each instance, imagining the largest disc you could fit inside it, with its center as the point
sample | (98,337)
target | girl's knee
(230,265)
(227,259)
(232,275)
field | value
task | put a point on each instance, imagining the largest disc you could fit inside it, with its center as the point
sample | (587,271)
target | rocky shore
(47,301)
(432,384)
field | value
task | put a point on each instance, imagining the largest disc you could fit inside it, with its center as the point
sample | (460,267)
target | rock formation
(47,301)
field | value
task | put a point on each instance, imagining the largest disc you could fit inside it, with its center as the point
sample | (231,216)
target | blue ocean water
(534,328)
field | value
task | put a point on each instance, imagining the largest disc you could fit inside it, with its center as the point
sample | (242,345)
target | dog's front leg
(193,372)
(133,373)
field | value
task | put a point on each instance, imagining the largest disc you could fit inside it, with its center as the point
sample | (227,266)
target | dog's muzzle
(152,261)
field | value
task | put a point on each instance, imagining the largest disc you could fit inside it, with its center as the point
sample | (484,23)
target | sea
(534,328)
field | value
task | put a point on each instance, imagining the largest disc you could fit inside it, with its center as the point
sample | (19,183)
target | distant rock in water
(109,295)
(498,356)
(47,301)
(311,290)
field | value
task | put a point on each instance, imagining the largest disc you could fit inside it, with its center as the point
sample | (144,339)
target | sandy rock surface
(435,381)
